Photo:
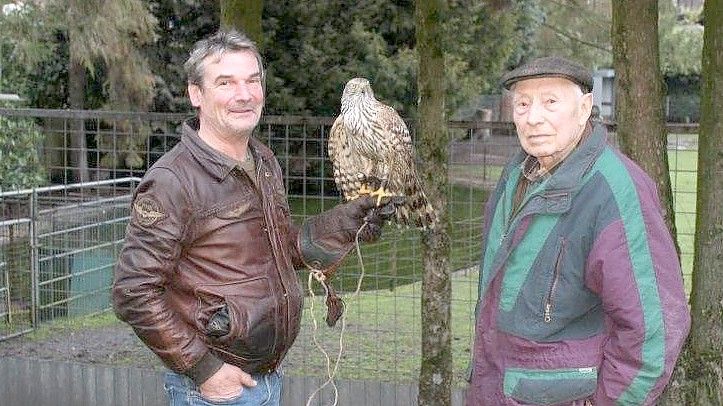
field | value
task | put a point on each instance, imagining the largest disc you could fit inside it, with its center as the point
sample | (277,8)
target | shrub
(20,165)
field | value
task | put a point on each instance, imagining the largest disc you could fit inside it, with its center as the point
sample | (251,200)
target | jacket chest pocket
(549,387)
(239,317)
(242,208)
(241,218)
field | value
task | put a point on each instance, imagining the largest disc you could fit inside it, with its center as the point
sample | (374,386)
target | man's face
(550,114)
(231,96)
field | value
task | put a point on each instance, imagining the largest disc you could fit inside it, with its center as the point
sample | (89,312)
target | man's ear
(585,108)
(194,93)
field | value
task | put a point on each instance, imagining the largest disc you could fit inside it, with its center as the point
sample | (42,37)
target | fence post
(34,262)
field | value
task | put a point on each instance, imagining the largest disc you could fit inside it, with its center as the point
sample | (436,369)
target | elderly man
(581,295)
(207,274)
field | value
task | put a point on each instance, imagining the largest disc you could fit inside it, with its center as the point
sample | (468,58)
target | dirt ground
(111,344)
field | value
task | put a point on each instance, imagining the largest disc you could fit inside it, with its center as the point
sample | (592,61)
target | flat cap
(550,66)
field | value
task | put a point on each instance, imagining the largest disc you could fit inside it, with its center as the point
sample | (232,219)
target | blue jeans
(182,391)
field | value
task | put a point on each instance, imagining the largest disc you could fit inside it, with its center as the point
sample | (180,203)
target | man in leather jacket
(207,275)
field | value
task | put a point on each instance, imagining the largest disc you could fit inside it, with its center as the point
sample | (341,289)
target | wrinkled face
(550,114)
(231,97)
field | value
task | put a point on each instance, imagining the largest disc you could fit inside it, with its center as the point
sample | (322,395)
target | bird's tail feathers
(417,211)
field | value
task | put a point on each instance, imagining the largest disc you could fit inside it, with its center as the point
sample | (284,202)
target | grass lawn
(382,334)
(396,259)
(683,176)
(479,172)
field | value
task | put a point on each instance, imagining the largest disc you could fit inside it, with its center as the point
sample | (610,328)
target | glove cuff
(322,253)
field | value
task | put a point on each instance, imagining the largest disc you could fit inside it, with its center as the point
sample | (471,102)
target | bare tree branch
(584,12)
(570,36)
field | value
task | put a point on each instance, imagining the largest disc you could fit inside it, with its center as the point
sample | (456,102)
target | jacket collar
(217,164)
(568,175)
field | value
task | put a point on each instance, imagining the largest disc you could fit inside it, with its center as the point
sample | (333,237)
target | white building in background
(603,92)
(12,7)
(688,4)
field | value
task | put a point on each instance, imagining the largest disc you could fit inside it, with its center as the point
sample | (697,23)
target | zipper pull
(548,311)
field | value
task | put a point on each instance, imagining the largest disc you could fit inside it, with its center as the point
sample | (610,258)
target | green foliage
(312,49)
(681,42)
(530,15)
(20,166)
(110,34)
(578,30)
(180,25)
(482,43)
(104,37)
(22,50)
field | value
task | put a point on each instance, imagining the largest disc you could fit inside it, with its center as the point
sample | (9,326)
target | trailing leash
(321,278)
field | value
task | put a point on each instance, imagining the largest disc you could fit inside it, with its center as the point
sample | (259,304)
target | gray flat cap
(554,66)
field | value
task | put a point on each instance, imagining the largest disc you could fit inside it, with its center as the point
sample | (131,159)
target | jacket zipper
(272,232)
(556,274)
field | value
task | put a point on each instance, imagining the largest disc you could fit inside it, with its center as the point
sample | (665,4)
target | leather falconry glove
(325,239)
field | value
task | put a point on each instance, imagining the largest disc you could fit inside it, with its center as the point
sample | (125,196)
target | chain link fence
(58,244)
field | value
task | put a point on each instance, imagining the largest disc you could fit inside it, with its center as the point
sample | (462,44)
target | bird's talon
(364,190)
(380,194)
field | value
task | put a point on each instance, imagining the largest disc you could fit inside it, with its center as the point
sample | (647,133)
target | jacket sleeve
(293,246)
(634,268)
(144,270)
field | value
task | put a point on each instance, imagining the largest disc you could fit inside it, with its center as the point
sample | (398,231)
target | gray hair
(225,40)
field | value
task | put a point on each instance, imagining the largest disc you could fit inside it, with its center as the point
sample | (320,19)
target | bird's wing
(345,162)
(398,142)
(393,123)
(403,179)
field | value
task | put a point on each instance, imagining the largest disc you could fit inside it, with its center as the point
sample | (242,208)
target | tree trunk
(76,101)
(639,94)
(698,379)
(245,16)
(435,377)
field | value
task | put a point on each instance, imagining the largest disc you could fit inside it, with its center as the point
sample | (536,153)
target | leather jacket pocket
(549,387)
(240,210)
(239,317)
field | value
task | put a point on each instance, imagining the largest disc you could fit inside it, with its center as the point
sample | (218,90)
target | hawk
(370,141)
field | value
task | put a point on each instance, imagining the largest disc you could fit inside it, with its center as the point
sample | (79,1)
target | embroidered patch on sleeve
(147,211)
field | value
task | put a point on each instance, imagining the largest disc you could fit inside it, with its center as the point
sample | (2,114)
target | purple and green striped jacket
(581,295)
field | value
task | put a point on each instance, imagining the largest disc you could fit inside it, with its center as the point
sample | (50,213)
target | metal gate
(58,245)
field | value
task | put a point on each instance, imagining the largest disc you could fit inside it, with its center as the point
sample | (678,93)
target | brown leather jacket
(201,236)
